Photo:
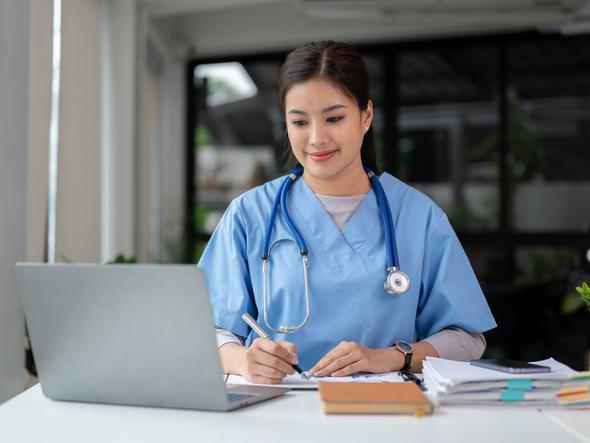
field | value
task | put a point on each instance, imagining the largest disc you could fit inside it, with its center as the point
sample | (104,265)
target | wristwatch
(408,350)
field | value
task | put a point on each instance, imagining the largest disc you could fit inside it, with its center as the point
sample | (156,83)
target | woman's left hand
(349,358)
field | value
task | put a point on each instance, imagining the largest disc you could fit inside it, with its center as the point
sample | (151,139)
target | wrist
(406,350)
(395,358)
(233,357)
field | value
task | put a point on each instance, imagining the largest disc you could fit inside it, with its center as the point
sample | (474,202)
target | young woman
(314,257)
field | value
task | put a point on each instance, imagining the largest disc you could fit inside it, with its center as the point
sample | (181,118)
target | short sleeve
(225,263)
(450,295)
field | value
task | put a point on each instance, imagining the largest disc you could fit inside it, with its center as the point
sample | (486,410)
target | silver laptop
(127,334)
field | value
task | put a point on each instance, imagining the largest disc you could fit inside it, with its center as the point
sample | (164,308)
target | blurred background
(127,126)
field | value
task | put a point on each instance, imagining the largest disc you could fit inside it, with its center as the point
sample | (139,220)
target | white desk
(294,418)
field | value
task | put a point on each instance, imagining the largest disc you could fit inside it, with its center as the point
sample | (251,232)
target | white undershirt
(452,343)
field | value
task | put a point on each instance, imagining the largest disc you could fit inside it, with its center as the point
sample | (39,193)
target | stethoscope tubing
(285,211)
(281,201)
(386,220)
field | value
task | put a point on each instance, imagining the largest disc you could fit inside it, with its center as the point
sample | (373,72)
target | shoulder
(410,200)
(256,200)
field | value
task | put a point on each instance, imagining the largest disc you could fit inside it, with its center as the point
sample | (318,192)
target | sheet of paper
(296,382)
(449,372)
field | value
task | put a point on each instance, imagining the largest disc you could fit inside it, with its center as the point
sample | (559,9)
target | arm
(457,344)
(349,357)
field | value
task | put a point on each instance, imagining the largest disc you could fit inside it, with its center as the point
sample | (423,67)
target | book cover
(373,398)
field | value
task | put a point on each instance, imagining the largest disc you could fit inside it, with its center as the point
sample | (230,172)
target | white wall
(40,53)
(14,41)
(78,201)
(118,123)
(161,147)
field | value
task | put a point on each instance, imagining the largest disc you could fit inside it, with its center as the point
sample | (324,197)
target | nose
(318,135)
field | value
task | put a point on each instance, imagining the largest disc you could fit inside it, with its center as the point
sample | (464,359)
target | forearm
(422,349)
(457,344)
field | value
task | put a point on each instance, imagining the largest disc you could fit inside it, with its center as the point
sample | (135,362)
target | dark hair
(340,64)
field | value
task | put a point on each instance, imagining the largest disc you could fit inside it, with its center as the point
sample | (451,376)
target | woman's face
(326,129)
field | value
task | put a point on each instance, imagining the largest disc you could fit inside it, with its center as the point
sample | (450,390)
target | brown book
(373,398)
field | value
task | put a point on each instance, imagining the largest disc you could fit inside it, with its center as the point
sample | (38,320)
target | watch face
(404,346)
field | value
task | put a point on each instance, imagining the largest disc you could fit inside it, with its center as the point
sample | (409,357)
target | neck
(352,181)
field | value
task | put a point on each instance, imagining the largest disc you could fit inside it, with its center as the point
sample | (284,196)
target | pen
(256,327)
(408,376)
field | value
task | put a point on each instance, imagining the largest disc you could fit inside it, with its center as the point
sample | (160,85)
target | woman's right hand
(267,361)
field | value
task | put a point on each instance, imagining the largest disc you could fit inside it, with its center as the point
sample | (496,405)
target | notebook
(373,398)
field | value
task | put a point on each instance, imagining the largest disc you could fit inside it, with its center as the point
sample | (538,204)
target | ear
(367,116)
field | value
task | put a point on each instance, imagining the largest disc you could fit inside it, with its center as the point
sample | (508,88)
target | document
(457,382)
(295,381)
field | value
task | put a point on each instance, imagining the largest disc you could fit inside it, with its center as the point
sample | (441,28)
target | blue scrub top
(347,270)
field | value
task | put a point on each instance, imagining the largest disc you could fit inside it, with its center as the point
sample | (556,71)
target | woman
(354,324)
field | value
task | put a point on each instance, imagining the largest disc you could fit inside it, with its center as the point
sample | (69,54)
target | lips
(322,155)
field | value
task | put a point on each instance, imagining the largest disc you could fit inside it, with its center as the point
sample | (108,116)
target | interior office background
(168,109)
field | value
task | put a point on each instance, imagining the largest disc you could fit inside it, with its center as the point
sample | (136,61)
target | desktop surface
(293,418)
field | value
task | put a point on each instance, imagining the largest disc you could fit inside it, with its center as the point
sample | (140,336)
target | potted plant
(584,292)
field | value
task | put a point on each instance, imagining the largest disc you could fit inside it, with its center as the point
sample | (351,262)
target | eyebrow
(328,109)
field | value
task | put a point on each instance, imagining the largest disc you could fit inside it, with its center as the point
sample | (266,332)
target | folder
(373,398)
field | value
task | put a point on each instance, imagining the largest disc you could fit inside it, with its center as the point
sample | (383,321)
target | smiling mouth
(322,155)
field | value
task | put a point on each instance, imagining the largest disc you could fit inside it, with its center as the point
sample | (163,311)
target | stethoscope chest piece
(397,282)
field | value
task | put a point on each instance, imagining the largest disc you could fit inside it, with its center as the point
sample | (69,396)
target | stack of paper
(576,392)
(456,382)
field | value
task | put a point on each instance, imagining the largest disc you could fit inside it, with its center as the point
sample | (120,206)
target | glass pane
(238,136)
(448,131)
(374,66)
(537,309)
(550,134)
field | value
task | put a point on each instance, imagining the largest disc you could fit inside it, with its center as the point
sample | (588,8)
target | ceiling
(202,28)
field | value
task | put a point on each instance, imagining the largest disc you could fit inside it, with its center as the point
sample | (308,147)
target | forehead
(314,95)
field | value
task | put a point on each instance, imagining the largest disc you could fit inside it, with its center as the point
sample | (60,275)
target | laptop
(128,334)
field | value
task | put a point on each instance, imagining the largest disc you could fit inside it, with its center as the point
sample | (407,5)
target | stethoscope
(397,282)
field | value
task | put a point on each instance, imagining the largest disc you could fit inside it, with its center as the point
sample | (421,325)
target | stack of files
(460,383)
(576,392)
(373,398)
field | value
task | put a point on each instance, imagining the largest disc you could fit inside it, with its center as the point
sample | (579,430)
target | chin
(322,171)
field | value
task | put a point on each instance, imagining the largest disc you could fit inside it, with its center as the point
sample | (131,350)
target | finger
(340,363)
(272,361)
(290,347)
(262,370)
(357,366)
(274,348)
(339,351)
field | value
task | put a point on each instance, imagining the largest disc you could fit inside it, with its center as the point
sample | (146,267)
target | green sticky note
(522,384)
(511,395)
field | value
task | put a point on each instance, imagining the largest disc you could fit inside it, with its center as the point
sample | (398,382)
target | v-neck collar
(338,248)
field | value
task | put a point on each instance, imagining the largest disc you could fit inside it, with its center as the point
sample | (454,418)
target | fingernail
(294,359)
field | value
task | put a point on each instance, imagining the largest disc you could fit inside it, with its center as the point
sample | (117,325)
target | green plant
(121,259)
(584,292)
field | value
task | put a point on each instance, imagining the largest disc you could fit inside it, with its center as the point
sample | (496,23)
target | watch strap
(407,361)
(407,355)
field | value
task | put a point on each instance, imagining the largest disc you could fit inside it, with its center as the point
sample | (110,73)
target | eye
(335,118)
(299,122)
